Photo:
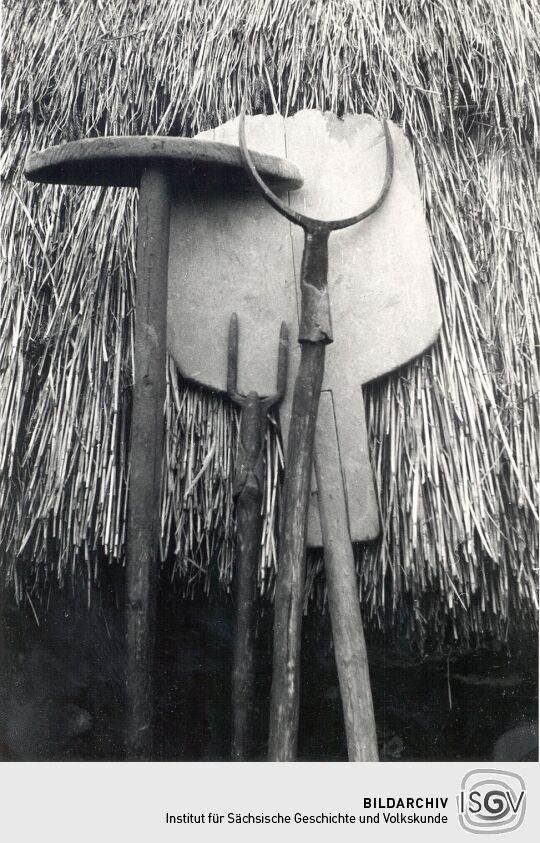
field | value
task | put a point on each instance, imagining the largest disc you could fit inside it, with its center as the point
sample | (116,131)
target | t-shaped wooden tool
(155,165)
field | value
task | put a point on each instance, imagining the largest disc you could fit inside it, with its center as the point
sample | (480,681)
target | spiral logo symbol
(495,805)
(491,801)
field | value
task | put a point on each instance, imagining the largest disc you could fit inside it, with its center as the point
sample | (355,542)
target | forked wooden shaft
(145,455)
(248,527)
(248,493)
(342,587)
(288,603)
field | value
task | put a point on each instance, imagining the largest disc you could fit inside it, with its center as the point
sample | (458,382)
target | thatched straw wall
(453,437)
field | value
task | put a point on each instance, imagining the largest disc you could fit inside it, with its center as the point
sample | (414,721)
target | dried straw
(454,437)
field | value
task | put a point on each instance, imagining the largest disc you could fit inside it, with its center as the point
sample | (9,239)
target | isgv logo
(491,801)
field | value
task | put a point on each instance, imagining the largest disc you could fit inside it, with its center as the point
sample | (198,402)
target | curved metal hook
(310,223)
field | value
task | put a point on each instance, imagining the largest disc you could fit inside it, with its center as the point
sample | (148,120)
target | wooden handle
(248,532)
(145,455)
(289,597)
(343,600)
(248,492)
(315,321)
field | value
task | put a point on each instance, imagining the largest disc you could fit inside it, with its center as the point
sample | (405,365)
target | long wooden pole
(289,597)
(315,332)
(341,583)
(248,530)
(145,455)
(248,492)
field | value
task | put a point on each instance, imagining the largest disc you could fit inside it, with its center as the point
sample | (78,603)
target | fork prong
(232,358)
(273,200)
(282,368)
(283,361)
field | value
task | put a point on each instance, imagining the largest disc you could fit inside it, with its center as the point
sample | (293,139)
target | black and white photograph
(269,382)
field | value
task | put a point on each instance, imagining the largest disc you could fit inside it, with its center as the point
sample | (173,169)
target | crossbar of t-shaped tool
(248,492)
(315,333)
(159,167)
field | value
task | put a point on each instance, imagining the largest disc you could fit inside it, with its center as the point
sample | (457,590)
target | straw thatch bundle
(453,437)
